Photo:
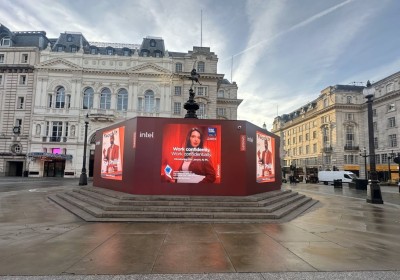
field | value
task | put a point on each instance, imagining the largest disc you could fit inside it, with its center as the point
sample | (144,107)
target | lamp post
(83,177)
(374,194)
(364,155)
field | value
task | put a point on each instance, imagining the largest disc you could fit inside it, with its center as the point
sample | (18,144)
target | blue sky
(284,51)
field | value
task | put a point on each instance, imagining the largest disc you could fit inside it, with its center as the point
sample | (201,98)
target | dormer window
(145,53)
(69,38)
(178,67)
(152,43)
(157,54)
(60,48)
(126,52)
(110,51)
(93,51)
(6,42)
(73,49)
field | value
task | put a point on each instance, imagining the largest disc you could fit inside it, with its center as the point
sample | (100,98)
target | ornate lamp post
(374,194)
(83,177)
(390,156)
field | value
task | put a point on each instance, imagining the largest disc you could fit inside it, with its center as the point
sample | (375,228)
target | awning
(49,155)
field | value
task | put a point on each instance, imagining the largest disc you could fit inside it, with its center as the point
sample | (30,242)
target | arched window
(6,41)
(105,99)
(220,94)
(60,97)
(88,98)
(349,99)
(149,101)
(152,43)
(325,135)
(122,102)
(200,67)
(178,67)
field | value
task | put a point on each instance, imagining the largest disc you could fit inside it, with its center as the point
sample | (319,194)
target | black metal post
(83,177)
(374,194)
(365,163)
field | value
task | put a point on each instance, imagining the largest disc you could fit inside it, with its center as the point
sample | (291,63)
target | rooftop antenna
(232,69)
(201,28)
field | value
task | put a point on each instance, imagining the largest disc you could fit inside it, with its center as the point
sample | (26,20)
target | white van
(328,176)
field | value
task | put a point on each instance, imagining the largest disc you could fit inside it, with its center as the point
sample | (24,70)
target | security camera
(239,127)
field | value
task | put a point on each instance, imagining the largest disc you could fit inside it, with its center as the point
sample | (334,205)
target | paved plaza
(342,237)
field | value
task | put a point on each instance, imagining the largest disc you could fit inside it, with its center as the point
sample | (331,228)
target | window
(1,58)
(392,140)
(294,140)
(374,113)
(178,67)
(20,102)
(178,91)
(307,149)
(349,136)
(201,91)
(18,122)
(376,142)
(69,38)
(314,148)
(88,98)
(377,159)
(6,42)
(24,58)
(60,48)
(1,79)
(307,136)
(145,53)
(110,51)
(126,52)
(66,129)
(60,98)
(325,102)
(350,159)
(149,101)
(327,159)
(202,111)
(177,108)
(288,141)
(375,126)
(105,99)
(93,51)
(384,158)
(56,132)
(140,104)
(152,43)
(157,54)
(325,137)
(300,150)
(314,134)
(391,107)
(122,100)
(22,80)
(221,94)
(389,87)
(392,122)
(300,138)
(73,49)
(349,116)
(349,99)
(200,67)
(221,111)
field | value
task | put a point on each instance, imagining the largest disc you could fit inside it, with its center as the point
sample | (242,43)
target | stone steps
(97,204)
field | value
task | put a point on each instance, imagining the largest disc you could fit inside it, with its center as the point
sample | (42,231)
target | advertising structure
(265,157)
(191,153)
(112,153)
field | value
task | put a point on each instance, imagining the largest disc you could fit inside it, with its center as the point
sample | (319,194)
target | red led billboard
(112,156)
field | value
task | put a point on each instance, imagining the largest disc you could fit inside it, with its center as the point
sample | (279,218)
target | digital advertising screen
(265,157)
(112,153)
(191,153)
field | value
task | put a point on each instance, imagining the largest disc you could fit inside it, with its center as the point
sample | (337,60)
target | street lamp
(364,155)
(390,156)
(83,177)
(374,194)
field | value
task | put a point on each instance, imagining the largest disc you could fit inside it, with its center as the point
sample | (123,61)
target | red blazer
(112,152)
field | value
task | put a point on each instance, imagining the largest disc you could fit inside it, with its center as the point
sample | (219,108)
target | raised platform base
(102,205)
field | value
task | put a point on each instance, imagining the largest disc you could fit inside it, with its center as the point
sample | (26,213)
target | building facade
(331,132)
(111,82)
(19,52)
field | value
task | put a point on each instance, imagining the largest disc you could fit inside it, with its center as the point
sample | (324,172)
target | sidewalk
(343,237)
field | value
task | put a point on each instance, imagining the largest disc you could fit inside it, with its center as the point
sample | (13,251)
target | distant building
(111,82)
(331,132)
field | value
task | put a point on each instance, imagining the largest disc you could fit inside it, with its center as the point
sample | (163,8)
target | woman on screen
(196,167)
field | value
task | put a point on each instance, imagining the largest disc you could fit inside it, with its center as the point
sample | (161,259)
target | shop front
(52,165)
